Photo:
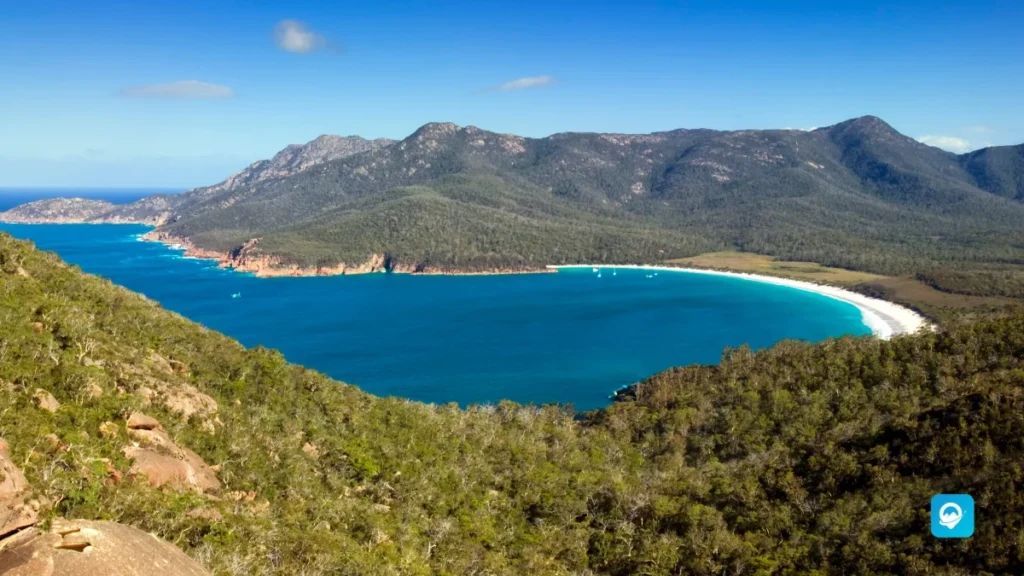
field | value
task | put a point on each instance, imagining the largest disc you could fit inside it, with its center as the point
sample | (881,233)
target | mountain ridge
(857,194)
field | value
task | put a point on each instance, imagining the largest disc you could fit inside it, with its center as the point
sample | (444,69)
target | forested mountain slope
(799,459)
(999,169)
(856,195)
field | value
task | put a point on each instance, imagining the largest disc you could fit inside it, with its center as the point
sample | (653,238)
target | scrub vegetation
(799,459)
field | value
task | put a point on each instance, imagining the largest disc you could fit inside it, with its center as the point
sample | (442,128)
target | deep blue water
(569,337)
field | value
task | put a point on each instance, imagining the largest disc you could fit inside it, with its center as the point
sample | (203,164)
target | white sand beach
(884,318)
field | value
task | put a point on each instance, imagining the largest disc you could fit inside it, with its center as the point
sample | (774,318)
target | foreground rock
(82,547)
(74,548)
(17,511)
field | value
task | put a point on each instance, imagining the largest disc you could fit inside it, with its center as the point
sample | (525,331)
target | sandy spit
(884,318)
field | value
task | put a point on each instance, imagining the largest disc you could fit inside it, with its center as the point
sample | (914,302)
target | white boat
(236,295)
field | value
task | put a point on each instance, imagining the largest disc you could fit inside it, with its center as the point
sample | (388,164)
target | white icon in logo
(953,517)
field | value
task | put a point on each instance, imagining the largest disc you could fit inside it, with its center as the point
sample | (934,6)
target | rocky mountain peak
(435,129)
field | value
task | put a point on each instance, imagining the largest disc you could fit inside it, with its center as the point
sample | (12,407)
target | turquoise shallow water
(570,337)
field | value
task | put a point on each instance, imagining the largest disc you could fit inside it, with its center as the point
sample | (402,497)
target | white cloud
(294,36)
(979,129)
(950,143)
(188,89)
(525,83)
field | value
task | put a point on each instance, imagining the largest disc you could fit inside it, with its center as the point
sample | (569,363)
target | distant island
(854,196)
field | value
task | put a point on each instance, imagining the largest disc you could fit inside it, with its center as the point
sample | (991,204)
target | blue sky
(126,93)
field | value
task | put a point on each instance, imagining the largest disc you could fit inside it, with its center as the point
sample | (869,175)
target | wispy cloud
(524,84)
(295,36)
(950,143)
(186,89)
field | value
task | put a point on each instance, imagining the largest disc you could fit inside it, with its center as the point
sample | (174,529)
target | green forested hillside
(799,459)
(856,195)
(999,169)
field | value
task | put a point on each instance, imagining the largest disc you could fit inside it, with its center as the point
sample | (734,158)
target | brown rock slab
(187,401)
(145,394)
(139,421)
(16,511)
(45,400)
(162,462)
(80,547)
(161,363)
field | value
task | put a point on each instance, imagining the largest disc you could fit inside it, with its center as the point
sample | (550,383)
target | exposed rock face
(188,401)
(81,548)
(162,462)
(159,209)
(250,258)
(139,421)
(76,548)
(45,400)
(182,398)
(297,158)
(16,510)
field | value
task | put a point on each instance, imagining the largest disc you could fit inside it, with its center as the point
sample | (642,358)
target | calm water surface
(570,337)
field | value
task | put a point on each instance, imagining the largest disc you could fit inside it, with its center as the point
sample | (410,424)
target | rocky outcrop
(295,159)
(139,421)
(82,547)
(251,259)
(160,209)
(180,397)
(17,510)
(45,401)
(162,462)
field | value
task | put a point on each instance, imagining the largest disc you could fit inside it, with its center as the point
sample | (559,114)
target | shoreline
(885,319)
(248,260)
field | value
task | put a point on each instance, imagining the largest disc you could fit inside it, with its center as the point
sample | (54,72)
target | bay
(570,337)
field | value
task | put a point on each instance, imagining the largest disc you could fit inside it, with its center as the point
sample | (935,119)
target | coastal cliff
(251,259)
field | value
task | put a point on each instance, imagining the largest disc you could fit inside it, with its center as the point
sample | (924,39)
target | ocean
(571,337)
